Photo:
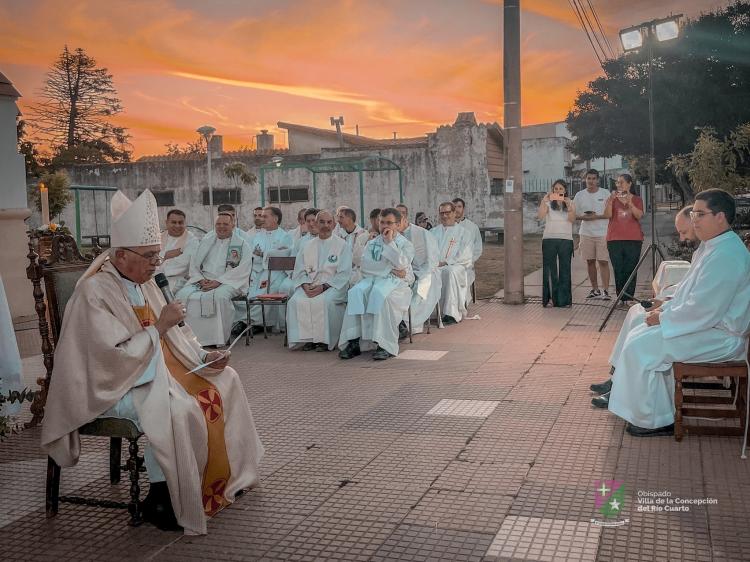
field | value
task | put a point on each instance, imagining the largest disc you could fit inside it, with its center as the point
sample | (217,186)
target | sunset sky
(243,65)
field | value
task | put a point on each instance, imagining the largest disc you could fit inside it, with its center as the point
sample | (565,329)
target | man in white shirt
(219,271)
(177,247)
(662,293)
(355,236)
(321,279)
(707,320)
(428,282)
(299,231)
(474,240)
(257,222)
(455,246)
(227,208)
(270,241)
(377,304)
(590,204)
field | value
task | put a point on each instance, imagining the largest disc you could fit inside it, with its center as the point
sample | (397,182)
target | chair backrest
(59,271)
(278,263)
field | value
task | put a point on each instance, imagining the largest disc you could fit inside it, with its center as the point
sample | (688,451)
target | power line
(605,56)
(601,29)
(574,6)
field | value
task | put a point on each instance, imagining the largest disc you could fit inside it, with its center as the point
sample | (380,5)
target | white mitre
(134,223)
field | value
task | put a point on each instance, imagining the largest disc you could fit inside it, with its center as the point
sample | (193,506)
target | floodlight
(206,131)
(667,30)
(277,160)
(631,39)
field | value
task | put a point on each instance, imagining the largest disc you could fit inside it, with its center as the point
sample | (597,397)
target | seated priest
(321,279)
(257,223)
(454,262)
(219,271)
(355,236)
(177,247)
(311,230)
(122,354)
(227,208)
(299,231)
(707,320)
(271,241)
(663,291)
(475,240)
(377,304)
(428,283)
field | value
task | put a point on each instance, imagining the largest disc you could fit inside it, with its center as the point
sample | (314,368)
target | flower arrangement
(53,228)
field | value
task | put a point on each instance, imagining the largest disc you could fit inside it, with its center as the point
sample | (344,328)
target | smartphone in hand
(556,197)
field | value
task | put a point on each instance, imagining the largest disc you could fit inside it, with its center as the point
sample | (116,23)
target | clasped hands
(208,285)
(652,318)
(313,291)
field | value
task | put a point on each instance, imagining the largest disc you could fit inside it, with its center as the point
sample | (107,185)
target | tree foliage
(702,79)
(716,162)
(239,174)
(75,109)
(191,148)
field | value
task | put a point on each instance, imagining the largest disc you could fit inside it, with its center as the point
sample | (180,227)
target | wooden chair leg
(53,487)
(134,506)
(115,459)
(286,330)
(678,429)
(474,292)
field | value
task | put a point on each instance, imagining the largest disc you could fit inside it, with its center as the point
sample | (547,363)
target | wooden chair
(737,371)
(59,273)
(275,263)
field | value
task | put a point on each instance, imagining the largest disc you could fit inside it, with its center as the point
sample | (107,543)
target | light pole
(207,132)
(634,39)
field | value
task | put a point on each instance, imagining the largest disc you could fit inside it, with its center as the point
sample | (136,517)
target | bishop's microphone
(163,283)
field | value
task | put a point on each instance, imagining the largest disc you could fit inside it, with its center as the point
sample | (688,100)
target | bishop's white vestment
(177,268)
(377,304)
(110,360)
(268,243)
(707,320)
(210,313)
(319,319)
(428,279)
(454,248)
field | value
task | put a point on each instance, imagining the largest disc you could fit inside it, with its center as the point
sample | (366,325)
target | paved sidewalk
(478,442)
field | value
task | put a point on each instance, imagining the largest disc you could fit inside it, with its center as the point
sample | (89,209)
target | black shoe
(237,330)
(602,387)
(636,431)
(403,331)
(157,508)
(381,354)
(309,346)
(321,347)
(449,320)
(257,330)
(601,401)
(351,350)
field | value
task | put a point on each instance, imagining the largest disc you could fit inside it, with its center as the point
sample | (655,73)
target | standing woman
(559,214)
(624,234)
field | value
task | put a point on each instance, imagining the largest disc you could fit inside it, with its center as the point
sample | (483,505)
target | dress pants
(556,283)
(624,256)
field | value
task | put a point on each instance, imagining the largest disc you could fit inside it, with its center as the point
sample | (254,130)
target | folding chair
(275,263)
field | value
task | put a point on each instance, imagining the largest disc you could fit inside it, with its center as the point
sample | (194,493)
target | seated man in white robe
(475,240)
(177,247)
(374,223)
(428,283)
(707,320)
(257,223)
(272,241)
(355,236)
(311,230)
(299,231)
(219,271)
(664,289)
(227,208)
(454,255)
(377,304)
(321,277)
(122,354)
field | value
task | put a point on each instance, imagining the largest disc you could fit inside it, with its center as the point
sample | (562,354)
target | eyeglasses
(695,215)
(152,257)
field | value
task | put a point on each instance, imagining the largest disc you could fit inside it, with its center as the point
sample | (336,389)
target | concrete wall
(13,211)
(303,142)
(547,157)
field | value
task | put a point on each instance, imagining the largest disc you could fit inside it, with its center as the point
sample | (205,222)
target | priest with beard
(219,272)
(122,354)
(355,237)
(707,321)
(321,277)
(454,255)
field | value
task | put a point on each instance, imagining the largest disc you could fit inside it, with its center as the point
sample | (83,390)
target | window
(497,186)
(223,196)
(289,194)
(164,198)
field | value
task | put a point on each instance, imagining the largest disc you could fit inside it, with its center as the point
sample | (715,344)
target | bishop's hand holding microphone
(173,313)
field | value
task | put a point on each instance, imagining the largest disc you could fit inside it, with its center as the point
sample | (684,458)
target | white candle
(45,203)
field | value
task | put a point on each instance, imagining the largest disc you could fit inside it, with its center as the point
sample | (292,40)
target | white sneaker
(594,294)
(605,296)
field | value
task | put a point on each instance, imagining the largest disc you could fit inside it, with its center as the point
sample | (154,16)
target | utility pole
(513,196)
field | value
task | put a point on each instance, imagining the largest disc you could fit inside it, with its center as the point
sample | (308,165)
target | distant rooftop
(353,140)
(6,87)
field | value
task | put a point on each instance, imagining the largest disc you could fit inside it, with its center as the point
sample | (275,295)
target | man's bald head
(684,225)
